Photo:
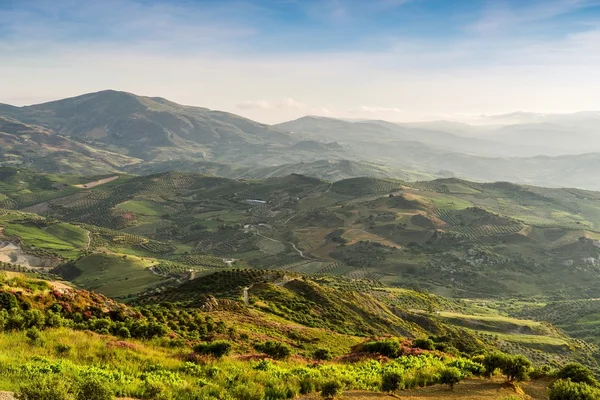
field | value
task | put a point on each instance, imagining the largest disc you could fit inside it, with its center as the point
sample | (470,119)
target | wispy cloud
(286,103)
(374,110)
(500,15)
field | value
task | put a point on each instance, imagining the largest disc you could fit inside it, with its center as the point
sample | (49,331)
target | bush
(389,348)
(218,348)
(577,373)
(565,389)
(34,335)
(391,381)
(331,389)
(62,349)
(322,354)
(93,388)
(450,376)
(123,332)
(276,350)
(425,344)
(44,389)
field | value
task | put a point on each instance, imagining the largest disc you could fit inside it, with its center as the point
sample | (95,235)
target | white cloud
(288,102)
(253,104)
(375,110)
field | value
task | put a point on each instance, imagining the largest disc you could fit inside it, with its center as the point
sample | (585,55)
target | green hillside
(451,237)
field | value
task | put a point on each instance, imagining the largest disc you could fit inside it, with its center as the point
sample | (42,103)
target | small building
(255,202)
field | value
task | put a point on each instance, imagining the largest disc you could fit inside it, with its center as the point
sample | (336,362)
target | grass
(143,207)
(116,276)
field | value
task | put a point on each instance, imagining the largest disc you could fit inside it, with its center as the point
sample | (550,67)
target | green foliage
(514,367)
(45,388)
(322,354)
(331,389)
(424,343)
(565,389)
(388,347)
(577,373)
(273,349)
(391,381)
(94,388)
(450,376)
(217,348)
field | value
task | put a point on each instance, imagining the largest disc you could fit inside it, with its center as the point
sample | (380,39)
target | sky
(276,60)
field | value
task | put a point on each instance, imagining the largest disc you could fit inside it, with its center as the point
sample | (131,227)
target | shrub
(425,344)
(92,388)
(123,332)
(565,389)
(34,335)
(45,389)
(389,348)
(450,376)
(218,348)
(391,381)
(62,349)
(577,373)
(322,354)
(331,389)
(154,391)
(276,350)
(307,386)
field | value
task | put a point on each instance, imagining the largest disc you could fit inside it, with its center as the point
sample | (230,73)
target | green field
(116,276)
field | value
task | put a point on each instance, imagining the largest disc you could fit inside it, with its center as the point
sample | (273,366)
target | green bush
(45,389)
(218,348)
(425,344)
(62,349)
(577,373)
(92,388)
(34,335)
(322,354)
(565,389)
(389,348)
(515,368)
(331,389)
(391,381)
(276,350)
(450,376)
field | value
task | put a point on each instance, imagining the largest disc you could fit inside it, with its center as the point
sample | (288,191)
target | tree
(450,376)
(516,368)
(492,362)
(565,389)
(577,373)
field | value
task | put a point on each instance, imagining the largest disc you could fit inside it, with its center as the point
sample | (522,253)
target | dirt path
(300,252)
(92,184)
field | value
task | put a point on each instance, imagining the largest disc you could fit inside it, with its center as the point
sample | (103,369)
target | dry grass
(473,389)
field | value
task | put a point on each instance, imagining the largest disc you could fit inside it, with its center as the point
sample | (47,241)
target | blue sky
(277,59)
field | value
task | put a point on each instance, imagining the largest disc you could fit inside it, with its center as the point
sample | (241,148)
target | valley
(483,265)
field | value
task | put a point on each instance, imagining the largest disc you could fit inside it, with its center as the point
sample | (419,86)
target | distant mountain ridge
(112,131)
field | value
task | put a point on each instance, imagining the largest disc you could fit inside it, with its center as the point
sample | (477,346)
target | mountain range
(111,131)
